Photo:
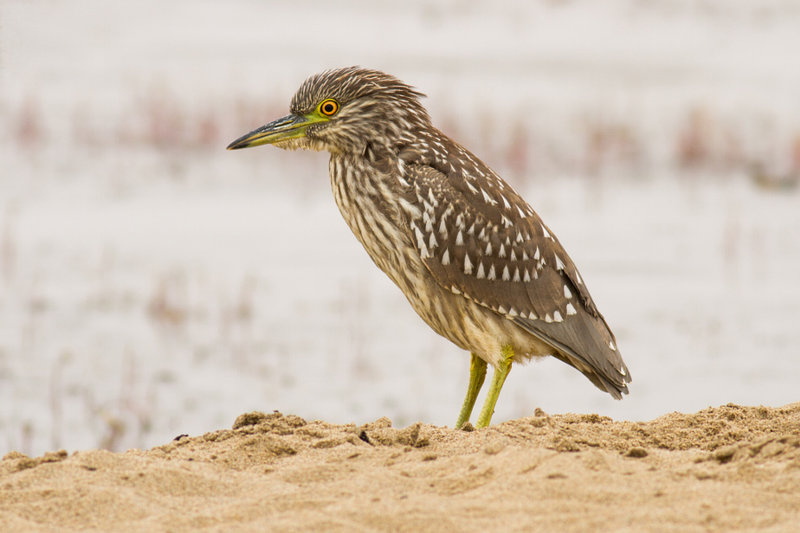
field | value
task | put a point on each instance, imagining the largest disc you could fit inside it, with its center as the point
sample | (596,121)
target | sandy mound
(723,469)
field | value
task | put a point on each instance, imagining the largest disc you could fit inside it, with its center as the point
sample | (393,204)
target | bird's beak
(283,129)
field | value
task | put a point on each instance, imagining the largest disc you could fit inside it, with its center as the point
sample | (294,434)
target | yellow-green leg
(499,377)
(477,373)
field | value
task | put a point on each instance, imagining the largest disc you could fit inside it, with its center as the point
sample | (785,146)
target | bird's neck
(366,194)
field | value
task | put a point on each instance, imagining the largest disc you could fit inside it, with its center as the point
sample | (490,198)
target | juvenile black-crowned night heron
(472,257)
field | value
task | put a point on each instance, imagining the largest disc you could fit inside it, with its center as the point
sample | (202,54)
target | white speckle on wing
(571,309)
(481,274)
(446,257)
(443,226)
(459,239)
(506,275)
(420,241)
(467,265)
(567,293)
(489,199)
(559,263)
(491,274)
(426,218)
(557,317)
(432,198)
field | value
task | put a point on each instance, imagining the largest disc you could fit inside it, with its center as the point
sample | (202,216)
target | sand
(730,468)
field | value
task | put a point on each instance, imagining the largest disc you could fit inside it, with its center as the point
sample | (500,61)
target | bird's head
(344,111)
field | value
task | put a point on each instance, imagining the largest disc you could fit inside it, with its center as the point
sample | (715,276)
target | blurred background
(153,284)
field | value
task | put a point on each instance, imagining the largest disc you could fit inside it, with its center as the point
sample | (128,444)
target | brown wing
(480,239)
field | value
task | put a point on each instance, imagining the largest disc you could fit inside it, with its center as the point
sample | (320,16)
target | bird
(473,258)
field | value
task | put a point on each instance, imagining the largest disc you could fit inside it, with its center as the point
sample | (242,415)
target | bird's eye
(329,107)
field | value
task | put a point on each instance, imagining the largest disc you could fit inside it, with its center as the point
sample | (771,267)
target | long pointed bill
(288,127)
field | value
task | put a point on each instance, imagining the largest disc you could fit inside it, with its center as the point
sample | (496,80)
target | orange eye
(329,107)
